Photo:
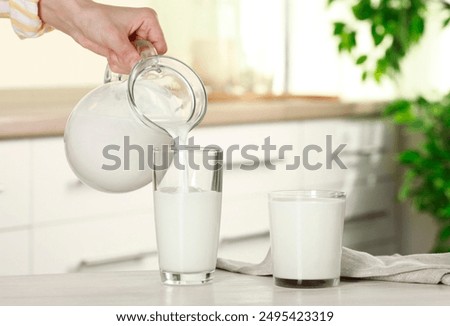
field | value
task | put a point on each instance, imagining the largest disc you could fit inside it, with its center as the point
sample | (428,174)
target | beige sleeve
(24,17)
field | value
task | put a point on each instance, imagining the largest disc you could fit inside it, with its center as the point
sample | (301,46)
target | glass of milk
(187,201)
(306,229)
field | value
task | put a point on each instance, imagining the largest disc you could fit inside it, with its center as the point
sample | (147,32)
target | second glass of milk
(306,229)
(187,199)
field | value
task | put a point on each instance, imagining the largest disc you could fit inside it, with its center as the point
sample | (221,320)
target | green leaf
(348,41)
(446,22)
(361,60)
(381,68)
(377,34)
(393,58)
(409,157)
(397,106)
(391,27)
(421,101)
(403,193)
(404,118)
(417,125)
(439,183)
(338,28)
(363,10)
(406,187)
(377,75)
(352,39)
(444,233)
(447,194)
(446,212)
(364,75)
(416,28)
(401,112)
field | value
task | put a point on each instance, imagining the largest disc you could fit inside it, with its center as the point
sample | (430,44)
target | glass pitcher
(111,132)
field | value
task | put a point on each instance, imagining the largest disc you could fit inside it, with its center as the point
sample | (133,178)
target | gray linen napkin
(419,268)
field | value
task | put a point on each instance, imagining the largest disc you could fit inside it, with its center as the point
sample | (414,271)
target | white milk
(187,228)
(306,237)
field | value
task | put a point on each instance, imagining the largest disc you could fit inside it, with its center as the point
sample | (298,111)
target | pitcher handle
(145,50)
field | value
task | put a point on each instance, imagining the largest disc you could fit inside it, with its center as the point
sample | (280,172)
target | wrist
(62,14)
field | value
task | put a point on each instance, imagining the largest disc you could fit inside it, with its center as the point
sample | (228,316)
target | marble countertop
(44,112)
(144,288)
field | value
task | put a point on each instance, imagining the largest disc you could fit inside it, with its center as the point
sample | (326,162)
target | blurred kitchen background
(276,61)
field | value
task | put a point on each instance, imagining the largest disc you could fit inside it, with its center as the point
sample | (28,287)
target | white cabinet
(14,252)
(113,243)
(15,202)
(73,228)
(78,228)
(15,176)
(49,218)
(58,195)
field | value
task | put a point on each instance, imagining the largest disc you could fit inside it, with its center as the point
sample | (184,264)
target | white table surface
(144,288)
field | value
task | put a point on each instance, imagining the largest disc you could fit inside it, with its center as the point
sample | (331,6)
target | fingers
(150,29)
(156,36)
(108,30)
(143,23)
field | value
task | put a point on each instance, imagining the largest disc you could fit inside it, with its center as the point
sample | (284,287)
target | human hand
(105,30)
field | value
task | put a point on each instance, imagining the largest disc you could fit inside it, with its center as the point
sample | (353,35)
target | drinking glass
(306,229)
(187,200)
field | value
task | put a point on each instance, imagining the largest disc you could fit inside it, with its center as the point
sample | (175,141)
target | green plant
(427,178)
(395,27)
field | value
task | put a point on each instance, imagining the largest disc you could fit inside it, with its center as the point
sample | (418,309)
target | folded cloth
(419,268)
